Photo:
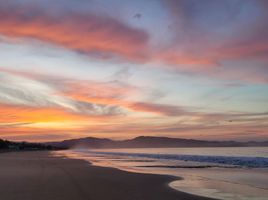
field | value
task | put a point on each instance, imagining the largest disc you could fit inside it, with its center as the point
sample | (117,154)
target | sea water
(239,173)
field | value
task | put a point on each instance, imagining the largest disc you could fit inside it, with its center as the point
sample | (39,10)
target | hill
(148,142)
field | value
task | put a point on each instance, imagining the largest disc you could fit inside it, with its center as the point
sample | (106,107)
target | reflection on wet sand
(205,179)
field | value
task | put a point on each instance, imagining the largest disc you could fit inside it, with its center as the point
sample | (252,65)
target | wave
(250,162)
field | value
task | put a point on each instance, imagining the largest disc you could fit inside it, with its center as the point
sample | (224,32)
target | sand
(40,176)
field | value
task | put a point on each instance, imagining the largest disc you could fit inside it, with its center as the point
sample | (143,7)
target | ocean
(229,173)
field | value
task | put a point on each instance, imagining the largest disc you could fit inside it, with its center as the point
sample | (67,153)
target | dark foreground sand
(40,176)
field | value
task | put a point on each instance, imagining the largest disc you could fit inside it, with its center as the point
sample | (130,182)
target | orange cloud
(97,92)
(256,49)
(89,33)
(13,113)
(114,95)
(186,61)
(19,123)
(25,114)
(47,123)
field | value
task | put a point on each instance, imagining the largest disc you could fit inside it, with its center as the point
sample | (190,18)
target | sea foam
(251,162)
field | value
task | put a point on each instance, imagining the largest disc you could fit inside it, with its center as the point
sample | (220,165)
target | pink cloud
(192,49)
(90,34)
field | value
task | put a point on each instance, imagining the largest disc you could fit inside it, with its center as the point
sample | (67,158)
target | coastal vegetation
(6,145)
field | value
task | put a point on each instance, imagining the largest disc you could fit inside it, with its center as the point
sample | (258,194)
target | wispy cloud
(22,91)
(151,76)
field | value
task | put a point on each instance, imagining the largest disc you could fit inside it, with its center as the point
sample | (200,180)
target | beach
(221,173)
(40,175)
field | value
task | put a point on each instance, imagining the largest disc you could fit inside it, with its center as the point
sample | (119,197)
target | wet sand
(40,176)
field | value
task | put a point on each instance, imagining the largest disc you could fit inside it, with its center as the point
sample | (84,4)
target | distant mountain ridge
(149,142)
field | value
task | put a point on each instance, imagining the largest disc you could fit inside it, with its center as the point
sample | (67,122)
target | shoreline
(40,175)
(216,182)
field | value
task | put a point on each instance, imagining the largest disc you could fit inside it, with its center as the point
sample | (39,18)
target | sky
(120,69)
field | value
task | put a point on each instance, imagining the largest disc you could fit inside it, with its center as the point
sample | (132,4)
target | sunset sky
(121,69)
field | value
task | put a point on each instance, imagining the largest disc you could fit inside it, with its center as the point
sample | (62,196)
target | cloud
(9,125)
(167,110)
(203,38)
(220,30)
(22,91)
(213,39)
(196,115)
(86,33)
(89,97)
(116,94)
(95,108)
(18,90)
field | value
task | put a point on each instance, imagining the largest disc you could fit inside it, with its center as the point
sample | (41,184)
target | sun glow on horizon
(77,71)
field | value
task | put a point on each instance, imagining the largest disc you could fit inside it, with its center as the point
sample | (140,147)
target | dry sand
(40,176)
